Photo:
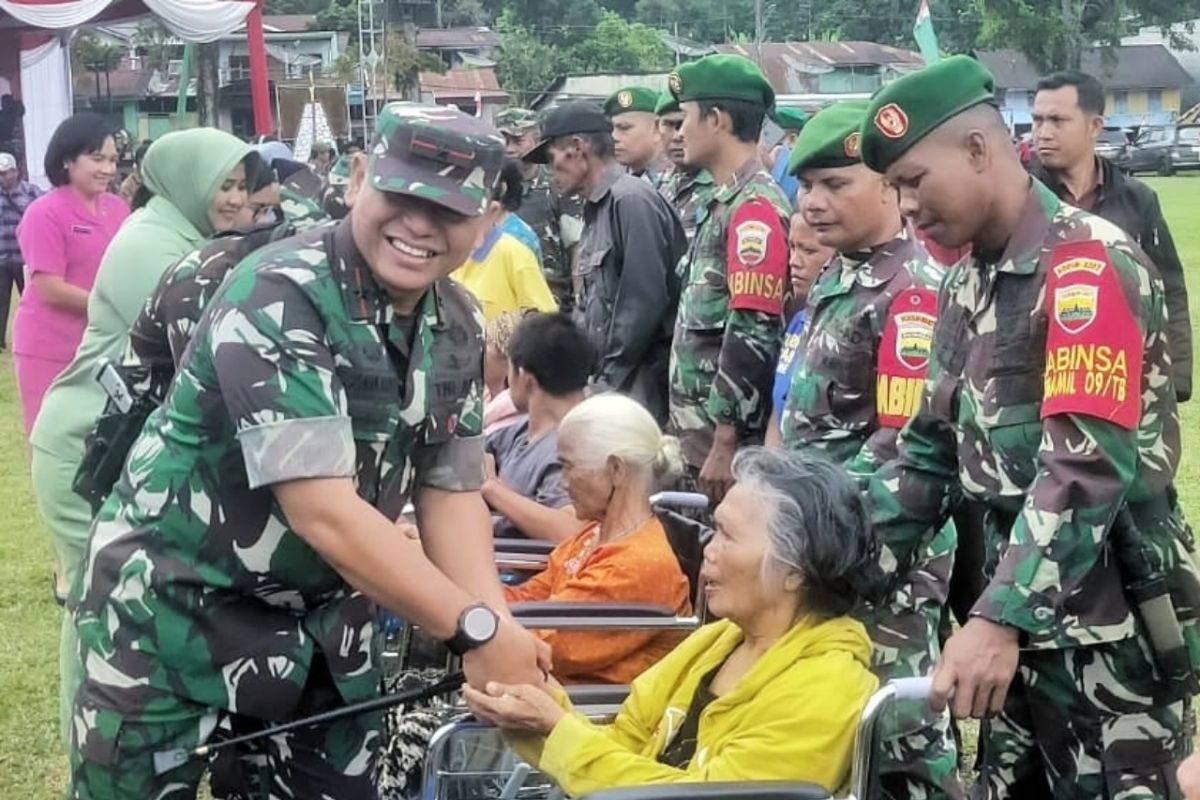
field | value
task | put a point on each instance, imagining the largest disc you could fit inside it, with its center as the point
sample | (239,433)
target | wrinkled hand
(515,707)
(716,476)
(1189,777)
(514,656)
(977,666)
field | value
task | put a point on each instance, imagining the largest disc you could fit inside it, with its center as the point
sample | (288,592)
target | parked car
(1165,149)
(1112,144)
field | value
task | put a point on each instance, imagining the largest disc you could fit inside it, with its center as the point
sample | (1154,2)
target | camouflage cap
(516,120)
(438,153)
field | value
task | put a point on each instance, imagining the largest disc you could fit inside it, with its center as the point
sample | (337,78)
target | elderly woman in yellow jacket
(773,691)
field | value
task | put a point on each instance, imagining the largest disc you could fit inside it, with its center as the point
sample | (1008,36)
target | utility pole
(758,31)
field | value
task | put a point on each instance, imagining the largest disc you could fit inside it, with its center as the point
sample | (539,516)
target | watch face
(479,624)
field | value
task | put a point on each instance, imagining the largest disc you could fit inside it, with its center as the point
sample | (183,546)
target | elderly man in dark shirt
(1068,115)
(15,197)
(625,280)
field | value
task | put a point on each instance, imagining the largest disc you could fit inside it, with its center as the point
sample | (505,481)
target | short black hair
(747,117)
(259,174)
(1088,89)
(552,348)
(510,189)
(139,155)
(75,136)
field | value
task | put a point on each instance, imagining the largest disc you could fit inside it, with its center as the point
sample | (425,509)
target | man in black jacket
(1068,115)
(626,285)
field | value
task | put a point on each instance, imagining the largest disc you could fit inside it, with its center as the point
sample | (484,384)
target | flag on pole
(926,38)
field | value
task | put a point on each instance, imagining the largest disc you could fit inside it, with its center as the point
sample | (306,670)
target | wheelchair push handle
(679,500)
(912,688)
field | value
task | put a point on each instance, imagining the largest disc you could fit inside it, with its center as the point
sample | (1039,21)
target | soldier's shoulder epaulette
(1073,224)
(761,184)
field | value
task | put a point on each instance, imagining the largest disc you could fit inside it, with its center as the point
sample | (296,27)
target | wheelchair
(452,762)
(410,659)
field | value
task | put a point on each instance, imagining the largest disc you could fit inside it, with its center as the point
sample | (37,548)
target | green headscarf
(187,167)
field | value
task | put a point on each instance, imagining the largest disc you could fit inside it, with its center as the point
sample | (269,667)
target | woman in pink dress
(63,235)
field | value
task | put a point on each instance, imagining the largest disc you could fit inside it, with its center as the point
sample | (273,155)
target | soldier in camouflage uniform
(333,375)
(557,220)
(859,372)
(730,319)
(333,196)
(1049,401)
(684,187)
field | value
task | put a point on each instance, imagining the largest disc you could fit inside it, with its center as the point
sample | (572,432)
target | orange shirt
(638,568)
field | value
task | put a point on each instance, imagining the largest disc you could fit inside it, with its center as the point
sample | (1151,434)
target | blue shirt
(789,357)
(779,172)
(520,230)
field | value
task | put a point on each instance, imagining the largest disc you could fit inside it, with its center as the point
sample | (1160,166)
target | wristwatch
(477,626)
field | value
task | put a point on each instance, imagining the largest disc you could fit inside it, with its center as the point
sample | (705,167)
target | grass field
(32,766)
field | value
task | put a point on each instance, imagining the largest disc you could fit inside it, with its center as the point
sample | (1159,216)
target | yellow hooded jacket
(791,717)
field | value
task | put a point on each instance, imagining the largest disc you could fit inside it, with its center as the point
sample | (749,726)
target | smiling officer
(235,570)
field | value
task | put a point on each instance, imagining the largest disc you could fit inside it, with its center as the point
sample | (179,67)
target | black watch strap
(464,640)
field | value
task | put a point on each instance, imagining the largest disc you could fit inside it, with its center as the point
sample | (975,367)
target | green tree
(402,65)
(526,64)
(1054,34)
(620,46)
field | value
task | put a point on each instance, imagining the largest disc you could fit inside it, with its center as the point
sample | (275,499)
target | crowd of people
(932,399)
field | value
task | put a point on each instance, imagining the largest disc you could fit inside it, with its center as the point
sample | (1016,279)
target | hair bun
(668,461)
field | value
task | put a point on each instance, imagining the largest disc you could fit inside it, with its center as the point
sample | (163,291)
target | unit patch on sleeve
(757,258)
(904,353)
(1093,339)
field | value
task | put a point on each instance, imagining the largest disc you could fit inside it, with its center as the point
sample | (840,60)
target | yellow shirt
(504,275)
(792,717)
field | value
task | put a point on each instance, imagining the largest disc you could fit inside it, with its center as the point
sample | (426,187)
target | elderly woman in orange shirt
(613,455)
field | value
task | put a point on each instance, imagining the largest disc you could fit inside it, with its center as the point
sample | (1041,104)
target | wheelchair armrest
(598,694)
(581,615)
(518,562)
(717,790)
(583,608)
(532,547)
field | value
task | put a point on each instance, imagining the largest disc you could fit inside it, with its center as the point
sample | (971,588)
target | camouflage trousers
(1088,722)
(920,753)
(112,753)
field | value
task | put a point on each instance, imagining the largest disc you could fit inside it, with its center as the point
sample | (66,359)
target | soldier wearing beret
(683,186)
(858,377)
(635,132)
(730,319)
(557,220)
(234,573)
(1049,402)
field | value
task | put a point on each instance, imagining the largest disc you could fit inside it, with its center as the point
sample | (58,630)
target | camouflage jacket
(557,222)
(195,586)
(686,191)
(1049,403)
(730,319)
(841,398)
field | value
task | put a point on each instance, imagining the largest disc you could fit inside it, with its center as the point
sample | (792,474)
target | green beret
(907,110)
(790,119)
(721,77)
(666,103)
(631,98)
(831,138)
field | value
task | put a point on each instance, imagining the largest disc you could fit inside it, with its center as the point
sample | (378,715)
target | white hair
(612,424)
